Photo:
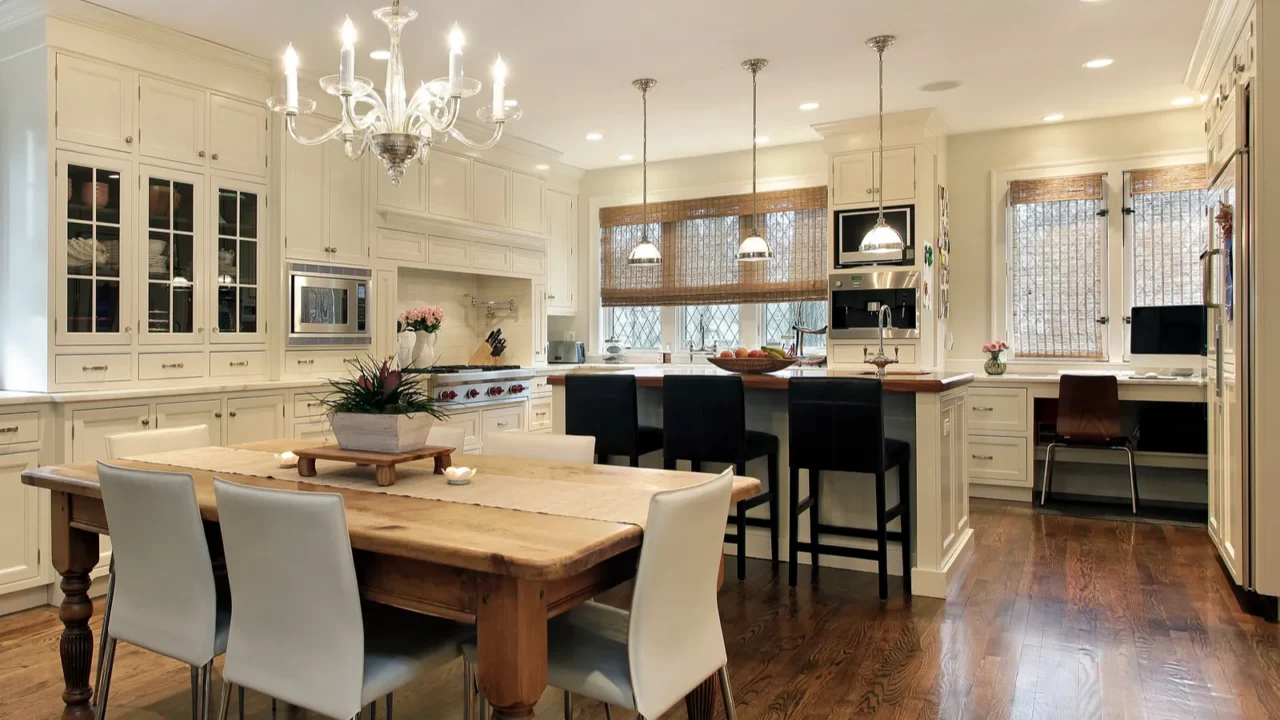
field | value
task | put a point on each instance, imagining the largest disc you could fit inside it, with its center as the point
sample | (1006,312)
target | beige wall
(971,159)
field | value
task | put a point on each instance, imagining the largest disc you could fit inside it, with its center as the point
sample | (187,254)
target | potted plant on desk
(381,409)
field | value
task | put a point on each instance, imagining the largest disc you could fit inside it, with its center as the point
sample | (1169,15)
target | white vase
(424,349)
(406,341)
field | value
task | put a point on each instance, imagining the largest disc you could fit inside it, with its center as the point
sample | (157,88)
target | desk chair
(531,446)
(605,407)
(1089,417)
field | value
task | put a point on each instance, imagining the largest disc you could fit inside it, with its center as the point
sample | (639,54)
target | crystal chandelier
(397,127)
(881,238)
(645,253)
(754,248)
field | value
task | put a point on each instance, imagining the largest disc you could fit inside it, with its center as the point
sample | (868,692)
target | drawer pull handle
(350,361)
(502,424)
(982,457)
(313,404)
(977,408)
(168,366)
(92,368)
(306,362)
(239,363)
(11,429)
(541,414)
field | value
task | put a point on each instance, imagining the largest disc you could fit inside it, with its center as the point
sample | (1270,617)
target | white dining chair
(445,436)
(145,442)
(531,446)
(300,632)
(650,658)
(165,599)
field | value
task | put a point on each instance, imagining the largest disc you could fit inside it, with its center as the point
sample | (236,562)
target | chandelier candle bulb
(347,59)
(499,89)
(456,41)
(291,77)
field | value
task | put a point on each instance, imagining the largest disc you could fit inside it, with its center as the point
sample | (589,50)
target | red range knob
(472,394)
(448,394)
(516,389)
(495,391)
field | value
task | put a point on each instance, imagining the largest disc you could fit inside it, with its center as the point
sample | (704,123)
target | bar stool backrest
(604,407)
(1089,407)
(297,630)
(165,599)
(703,418)
(674,640)
(836,424)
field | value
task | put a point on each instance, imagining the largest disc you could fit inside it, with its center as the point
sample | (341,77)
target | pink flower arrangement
(995,347)
(424,319)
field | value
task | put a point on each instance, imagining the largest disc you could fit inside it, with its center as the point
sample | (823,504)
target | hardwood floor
(1056,617)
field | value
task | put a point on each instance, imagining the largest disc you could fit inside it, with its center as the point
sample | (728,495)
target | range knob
(494,391)
(472,394)
(448,395)
(516,389)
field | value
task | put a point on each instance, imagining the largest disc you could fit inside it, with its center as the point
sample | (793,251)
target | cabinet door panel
(539,322)
(449,185)
(171,121)
(491,194)
(527,203)
(172,268)
(852,178)
(899,174)
(562,274)
(237,136)
(94,290)
(254,418)
(89,431)
(344,203)
(304,194)
(95,103)
(19,520)
(409,196)
(239,257)
(188,414)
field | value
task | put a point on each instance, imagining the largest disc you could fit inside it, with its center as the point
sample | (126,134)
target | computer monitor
(1169,330)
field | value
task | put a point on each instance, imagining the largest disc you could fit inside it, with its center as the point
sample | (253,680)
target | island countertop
(906,381)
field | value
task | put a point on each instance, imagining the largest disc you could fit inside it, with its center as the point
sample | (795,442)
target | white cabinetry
(855,177)
(254,418)
(449,185)
(323,200)
(539,322)
(95,103)
(170,121)
(562,260)
(490,194)
(237,136)
(19,520)
(527,207)
(195,412)
(410,196)
(999,441)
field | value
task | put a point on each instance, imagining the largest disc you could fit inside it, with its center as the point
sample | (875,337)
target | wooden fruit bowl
(752,366)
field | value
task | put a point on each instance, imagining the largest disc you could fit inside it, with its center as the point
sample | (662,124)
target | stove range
(477,384)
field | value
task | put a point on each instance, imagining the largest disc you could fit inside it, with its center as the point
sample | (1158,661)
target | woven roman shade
(699,240)
(1058,189)
(1169,179)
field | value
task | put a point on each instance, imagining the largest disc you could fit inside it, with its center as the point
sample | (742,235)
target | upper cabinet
(490,194)
(855,177)
(324,194)
(527,207)
(449,185)
(239,223)
(562,263)
(116,109)
(172,300)
(410,196)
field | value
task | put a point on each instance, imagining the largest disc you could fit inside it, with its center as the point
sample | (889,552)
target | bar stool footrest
(839,551)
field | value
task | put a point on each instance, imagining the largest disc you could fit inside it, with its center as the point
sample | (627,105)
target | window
(638,327)
(1167,229)
(780,317)
(708,325)
(1057,267)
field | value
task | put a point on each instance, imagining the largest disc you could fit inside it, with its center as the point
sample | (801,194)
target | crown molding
(18,12)
(1223,23)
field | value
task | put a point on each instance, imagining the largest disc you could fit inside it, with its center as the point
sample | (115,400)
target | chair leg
(206,685)
(882,537)
(568,705)
(608,714)
(484,707)
(373,710)
(695,466)
(195,693)
(1048,473)
(239,700)
(668,463)
(793,522)
(109,660)
(635,460)
(775,507)
(225,704)
(815,487)
(388,706)
(1133,480)
(904,499)
(741,469)
(106,627)
(726,694)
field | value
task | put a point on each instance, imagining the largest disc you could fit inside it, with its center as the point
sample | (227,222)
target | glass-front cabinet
(239,219)
(173,297)
(94,291)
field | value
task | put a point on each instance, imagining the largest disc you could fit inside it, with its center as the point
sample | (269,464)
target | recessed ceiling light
(510,102)
(594,136)
(1099,63)
(380,55)
(940,86)
(762,139)
(542,166)
(1185,100)
(1054,117)
(625,158)
(809,106)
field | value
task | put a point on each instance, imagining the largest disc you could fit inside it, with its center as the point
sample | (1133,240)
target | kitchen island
(926,409)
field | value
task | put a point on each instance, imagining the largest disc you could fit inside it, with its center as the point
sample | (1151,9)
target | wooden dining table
(506,571)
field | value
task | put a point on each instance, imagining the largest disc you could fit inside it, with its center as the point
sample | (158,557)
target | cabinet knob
(128,139)
(232,413)
(128,328)
(200,330)
(217,330)
(218,414)
(201,153)
(146,422)
(215,156)
(869,191)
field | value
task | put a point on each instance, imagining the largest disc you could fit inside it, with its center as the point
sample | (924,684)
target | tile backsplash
(465,326)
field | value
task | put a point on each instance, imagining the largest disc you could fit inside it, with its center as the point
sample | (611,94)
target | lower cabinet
(19,520)
(187,414)
(318,431)
(250,419)
(540,414)
(503,419)
(470,421)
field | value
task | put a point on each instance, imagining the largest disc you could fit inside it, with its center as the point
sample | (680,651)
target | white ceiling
(572,61)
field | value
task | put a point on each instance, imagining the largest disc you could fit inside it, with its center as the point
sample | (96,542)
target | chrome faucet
(880,360)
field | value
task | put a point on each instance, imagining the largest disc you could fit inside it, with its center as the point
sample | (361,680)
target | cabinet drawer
(400,245)
(92,368)
(539,414)
(171,366)
(486,256)
(18,428)
(449,252)
(237,364)
(857,354)
(317,431)
(469,421)
(998,409)
(498,420)
(539,387)
(320,363)
(308,406)
(528,262)
(1002,460)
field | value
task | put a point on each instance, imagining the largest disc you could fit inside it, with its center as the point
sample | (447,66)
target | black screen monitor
(1169,330)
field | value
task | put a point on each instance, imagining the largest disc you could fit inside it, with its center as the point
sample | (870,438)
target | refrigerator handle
(1206,272)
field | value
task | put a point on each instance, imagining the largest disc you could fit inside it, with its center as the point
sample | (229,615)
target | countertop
(651,376)
(8,397)
(1053,377)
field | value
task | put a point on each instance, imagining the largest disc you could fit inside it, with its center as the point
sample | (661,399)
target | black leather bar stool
(704,420)
(604,407)
(838,424)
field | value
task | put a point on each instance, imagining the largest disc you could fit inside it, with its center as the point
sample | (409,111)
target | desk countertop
(1027,378)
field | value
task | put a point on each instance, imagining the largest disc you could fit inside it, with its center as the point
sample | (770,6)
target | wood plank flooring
(1056,617)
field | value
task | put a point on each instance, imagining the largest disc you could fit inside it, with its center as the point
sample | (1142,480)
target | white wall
(971,159)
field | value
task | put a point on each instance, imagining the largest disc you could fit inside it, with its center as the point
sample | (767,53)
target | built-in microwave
(853,225)
(329,305)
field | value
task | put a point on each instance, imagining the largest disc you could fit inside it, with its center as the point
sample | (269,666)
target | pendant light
(754,248)
(881,238)
(646,253)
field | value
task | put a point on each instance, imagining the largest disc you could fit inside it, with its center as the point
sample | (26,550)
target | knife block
(482,355)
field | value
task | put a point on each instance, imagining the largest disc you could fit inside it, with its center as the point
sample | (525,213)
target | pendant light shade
(645,253)
(881,238)
(754,248)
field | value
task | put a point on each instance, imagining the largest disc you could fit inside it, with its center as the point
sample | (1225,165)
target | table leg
(443,462)
(307,467)
(701,703)
(385,475)
(511,627)
(75,552)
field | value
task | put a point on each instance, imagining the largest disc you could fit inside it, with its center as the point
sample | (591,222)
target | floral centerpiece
(381,409)
(417,328)
(994,365)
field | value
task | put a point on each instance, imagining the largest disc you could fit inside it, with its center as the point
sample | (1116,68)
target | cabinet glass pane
(159,203)
(248,215)
(248,310)
(184,203)
(108,251)
(227,272)
(104,195)
(158,307)
(184,259)
(227,206)
(81,249)
(183,309)
(238,261)
(107,306)
(79,305)
(158,250)
(248,262)
(226,309)
(79,178)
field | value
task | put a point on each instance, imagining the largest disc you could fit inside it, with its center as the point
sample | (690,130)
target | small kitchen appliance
(566,351)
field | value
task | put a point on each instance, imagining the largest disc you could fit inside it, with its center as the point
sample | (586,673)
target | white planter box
(381,433)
